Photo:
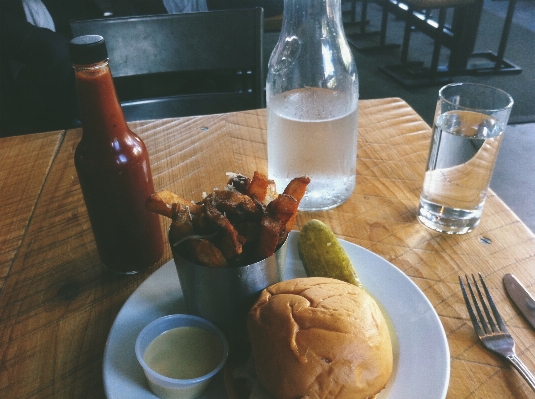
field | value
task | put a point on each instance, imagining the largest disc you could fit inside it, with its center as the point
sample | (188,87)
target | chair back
(184,64)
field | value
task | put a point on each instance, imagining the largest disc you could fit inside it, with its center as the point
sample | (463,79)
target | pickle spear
(323,255)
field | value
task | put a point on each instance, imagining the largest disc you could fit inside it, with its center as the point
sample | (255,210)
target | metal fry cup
(225,295)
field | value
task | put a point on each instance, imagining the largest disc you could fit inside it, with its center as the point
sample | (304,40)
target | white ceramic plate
(421,354)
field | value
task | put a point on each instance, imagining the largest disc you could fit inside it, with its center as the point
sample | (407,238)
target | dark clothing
(121,8)
(37,87)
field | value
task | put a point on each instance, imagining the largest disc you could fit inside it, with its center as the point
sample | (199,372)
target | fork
(494,335)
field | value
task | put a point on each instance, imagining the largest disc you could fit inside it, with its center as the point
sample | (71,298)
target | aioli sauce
(184,353)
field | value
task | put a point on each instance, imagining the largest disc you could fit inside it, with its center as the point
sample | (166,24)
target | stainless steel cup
(225,295)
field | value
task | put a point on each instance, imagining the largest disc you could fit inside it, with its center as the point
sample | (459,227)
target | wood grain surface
(58,302)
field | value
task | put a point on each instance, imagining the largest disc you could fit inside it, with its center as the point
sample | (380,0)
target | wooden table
(57,301)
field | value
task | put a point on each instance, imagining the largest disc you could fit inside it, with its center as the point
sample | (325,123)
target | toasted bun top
(319,338)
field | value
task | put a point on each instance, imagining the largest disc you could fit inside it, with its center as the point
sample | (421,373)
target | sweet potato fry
(204,252)
(222,221)
(282,208)
(239,182)
(248,230)
(227,246)
(162,203)
(235,206)
(203,225)
(240,225)
(270,230)
(182,224)
(258,187)
(271,192)
(296,188)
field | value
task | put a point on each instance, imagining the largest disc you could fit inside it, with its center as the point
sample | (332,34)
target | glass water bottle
(312,103)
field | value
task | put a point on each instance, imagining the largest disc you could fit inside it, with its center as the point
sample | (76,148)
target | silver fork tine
(497,316)
(481,317)
(488,319)
(475,322)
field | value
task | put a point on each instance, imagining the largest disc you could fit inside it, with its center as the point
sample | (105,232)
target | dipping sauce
(184,353)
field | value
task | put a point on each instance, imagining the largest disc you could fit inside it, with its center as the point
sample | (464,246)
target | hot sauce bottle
(113,167)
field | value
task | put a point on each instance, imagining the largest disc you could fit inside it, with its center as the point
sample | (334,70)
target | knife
(521,297)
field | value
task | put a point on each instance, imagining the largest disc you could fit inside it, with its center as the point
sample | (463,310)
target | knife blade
(521,297)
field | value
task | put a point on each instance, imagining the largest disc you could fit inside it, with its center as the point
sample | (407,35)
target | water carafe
(312,104)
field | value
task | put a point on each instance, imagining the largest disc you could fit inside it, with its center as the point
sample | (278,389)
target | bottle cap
(88,49)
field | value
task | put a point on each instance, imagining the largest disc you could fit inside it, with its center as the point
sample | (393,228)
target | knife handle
(522,369)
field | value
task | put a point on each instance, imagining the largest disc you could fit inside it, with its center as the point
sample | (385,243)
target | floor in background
(524,14)
(514,175)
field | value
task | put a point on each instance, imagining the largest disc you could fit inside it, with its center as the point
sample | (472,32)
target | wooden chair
(184,64)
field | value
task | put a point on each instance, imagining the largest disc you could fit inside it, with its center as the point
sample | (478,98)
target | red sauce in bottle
(115,176)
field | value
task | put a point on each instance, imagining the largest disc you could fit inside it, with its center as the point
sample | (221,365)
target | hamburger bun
(319,338)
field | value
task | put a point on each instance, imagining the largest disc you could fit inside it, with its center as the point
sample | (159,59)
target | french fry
(248,230)
(262,187)
(236,206)
(205,253)
(296,188)
(271,192)
(238,182)
(222,221)
(228,247)
(258,186)
(162,203)
(240,225)
(282,208)
(202,225)
(270,230)
(182,224)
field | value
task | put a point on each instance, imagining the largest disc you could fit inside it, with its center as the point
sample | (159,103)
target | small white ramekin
(165,387)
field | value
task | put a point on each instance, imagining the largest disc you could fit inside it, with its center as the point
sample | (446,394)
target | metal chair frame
(415,74)
(223,48)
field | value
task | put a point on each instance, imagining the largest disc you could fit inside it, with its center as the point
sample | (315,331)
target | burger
(319,338)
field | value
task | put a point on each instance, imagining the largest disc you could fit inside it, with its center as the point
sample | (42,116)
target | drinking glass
(467,132)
